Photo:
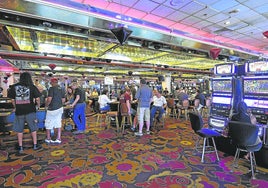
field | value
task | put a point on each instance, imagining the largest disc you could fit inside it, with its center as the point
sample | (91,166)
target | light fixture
(121,34)
(265,34)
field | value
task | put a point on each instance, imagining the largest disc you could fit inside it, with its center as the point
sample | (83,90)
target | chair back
(123,109)
(196,121)
(171,103)
(243,134)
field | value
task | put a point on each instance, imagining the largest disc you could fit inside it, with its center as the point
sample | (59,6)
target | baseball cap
(53,80)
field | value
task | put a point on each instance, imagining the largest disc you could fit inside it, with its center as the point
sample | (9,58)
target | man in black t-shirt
(24,96)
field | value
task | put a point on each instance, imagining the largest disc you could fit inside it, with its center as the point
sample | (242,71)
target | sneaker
(20,149)
(78,132)
(133,129)
(57,141)
(148,132)
(48,141)
(138,134)
(36,147)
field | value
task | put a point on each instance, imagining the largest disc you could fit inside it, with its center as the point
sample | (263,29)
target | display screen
(221,100)
(257,67)
(224,69)
(256,85)
(222,86)
(255,103)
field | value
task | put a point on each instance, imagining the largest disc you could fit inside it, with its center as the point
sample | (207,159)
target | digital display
(221,100)
(255,103)
(256,85)
(258,66)
(222,86)
(224,69)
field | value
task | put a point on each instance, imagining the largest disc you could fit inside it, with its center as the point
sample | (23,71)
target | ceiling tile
(166,22)
(151,18)
(254,3)
(128,3)
(207,2)
(135,13)
(262,9)
(202,24)
(222,4)
(190,20)
(193,7)
(218,18)
(159,1)
(205,13)
(145,5)
(178,5)
(117,8)
(162,11)
(177,16)
(179,26)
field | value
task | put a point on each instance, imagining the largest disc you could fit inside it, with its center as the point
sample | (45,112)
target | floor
(104,158)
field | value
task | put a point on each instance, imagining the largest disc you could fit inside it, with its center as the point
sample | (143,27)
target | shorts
(20,120)
(143,114)
(53,118)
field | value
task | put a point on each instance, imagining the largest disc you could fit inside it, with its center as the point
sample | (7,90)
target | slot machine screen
(221,100)
(255,103)
(224,69)
(257,67)
(256,86)
(222,86)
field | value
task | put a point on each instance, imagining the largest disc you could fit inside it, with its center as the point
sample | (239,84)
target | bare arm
(76,100)
(48,101)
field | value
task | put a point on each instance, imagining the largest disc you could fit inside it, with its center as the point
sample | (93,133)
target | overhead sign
(108,80)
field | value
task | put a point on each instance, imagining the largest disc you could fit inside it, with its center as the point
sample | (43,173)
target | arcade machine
(226,92)
(255,95)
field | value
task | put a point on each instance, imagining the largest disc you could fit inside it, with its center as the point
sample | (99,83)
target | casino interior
(218,47)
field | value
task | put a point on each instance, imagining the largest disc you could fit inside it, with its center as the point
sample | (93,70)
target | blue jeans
(79,116)
(153,111)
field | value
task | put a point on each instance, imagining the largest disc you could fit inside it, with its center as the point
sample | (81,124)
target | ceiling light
(175,2)
(227,22)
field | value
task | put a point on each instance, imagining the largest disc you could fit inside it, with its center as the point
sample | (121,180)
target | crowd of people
(142,105)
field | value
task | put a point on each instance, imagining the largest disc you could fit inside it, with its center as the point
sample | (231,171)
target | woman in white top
(104,101)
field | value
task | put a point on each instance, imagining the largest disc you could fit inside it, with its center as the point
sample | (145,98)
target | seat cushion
(205,132)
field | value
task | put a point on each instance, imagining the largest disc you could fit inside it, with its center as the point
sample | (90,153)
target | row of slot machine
(234,83)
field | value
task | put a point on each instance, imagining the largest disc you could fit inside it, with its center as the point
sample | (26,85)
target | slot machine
(226,92)
(255,94)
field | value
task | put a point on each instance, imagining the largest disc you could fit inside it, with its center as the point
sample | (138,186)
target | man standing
(144,96)
(159,104)
(54,106)
(79,105)
(24,96)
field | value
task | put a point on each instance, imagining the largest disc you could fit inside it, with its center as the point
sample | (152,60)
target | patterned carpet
(102,158)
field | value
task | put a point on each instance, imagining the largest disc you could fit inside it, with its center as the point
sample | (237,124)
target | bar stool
(157,124)
(124,114)
(109,116)
(172,107)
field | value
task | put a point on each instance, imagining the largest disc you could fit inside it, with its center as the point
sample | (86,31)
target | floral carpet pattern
(103,158)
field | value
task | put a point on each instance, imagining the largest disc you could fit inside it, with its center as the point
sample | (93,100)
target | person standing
(144,96)
(25,99)
(54,106)
(159,104)
(79,105)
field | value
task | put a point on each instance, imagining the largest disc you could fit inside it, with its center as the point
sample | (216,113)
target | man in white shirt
(159,104)
(104,101)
